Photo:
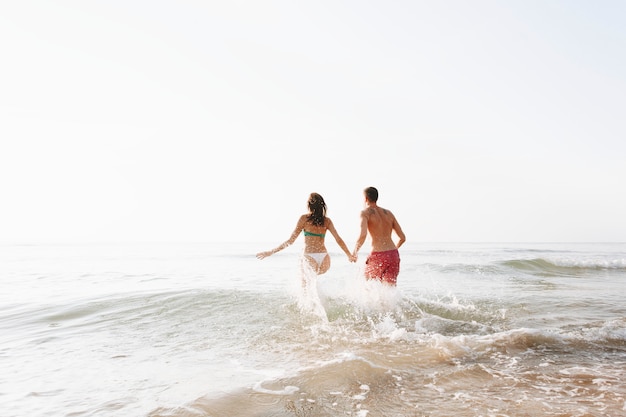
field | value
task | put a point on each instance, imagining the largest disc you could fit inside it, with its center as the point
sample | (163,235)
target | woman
(314,226)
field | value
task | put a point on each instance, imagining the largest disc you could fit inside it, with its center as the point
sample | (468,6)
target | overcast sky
(214,120)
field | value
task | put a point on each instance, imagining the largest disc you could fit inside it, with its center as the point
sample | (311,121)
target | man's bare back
(380,223)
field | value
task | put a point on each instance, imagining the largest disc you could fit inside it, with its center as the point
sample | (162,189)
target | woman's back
(314,235)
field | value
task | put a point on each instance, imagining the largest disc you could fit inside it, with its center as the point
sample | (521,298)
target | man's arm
(399,232)
(362,236)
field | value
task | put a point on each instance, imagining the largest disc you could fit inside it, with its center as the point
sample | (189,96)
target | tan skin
(312,244)
(379,223)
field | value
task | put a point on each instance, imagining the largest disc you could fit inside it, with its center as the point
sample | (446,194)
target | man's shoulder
(385,211)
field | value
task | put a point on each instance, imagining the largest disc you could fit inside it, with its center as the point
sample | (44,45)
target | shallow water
(208,330)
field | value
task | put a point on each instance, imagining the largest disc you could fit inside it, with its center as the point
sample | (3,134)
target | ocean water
(209,330)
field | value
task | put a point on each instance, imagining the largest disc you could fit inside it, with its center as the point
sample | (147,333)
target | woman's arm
(340,242)
(288,242)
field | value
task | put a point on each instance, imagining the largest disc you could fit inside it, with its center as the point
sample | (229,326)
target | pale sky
(208,121)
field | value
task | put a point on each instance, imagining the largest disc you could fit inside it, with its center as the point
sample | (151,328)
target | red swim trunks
(384,266)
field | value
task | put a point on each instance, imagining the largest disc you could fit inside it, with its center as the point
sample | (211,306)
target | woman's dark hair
(317,208)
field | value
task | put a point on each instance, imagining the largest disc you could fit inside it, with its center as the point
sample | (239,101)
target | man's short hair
(371,194)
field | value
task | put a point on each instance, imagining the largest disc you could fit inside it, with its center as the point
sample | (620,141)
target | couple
(382,264)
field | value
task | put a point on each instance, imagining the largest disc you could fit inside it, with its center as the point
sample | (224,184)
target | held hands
(352,257)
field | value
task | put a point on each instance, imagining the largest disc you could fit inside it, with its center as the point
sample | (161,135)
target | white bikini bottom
(317,257)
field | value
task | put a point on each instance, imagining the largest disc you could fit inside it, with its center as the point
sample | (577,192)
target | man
(384,261)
